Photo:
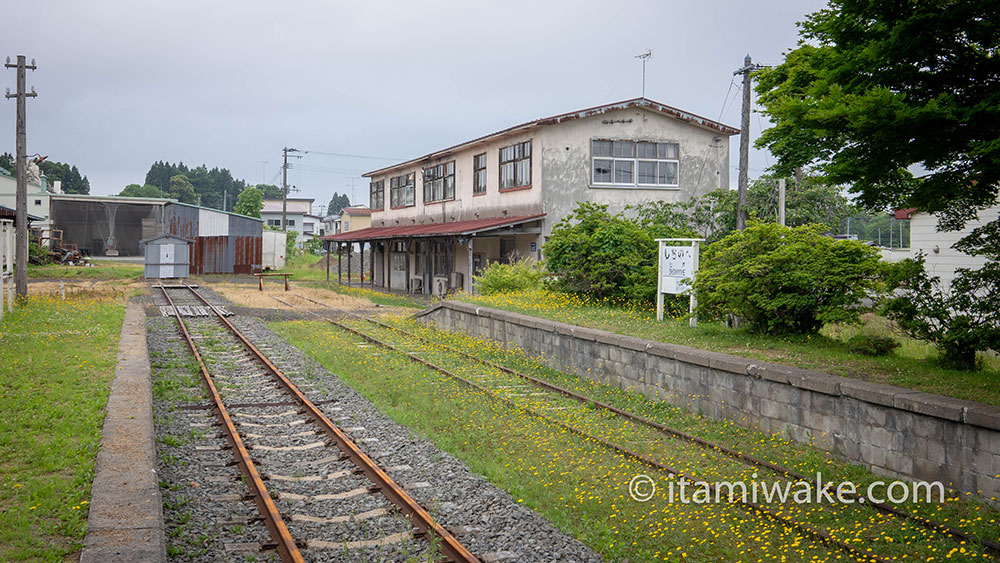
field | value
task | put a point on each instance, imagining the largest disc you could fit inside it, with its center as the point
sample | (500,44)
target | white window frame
(661,147)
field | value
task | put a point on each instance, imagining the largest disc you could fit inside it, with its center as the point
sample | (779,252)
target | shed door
(166,254)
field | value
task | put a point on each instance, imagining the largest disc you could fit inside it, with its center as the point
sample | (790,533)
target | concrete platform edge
(125,522)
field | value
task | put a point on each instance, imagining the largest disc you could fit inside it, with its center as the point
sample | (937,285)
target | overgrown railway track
(280,431)
(550,396)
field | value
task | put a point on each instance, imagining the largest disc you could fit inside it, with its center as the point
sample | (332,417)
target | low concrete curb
(126,511)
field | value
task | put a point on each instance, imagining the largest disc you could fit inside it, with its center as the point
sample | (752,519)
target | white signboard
(676,268)
(677,265)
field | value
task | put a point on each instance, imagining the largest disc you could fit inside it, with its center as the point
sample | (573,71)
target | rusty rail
(992,547)
(419,517)
(808,530)
(286,546)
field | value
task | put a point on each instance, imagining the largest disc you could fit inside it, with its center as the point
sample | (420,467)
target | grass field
(99,269)
(57,360)
(913,365)
(582,487)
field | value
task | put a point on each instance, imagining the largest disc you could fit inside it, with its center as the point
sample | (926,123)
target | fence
(6,265)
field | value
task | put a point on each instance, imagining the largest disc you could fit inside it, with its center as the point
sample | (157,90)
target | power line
(352,155)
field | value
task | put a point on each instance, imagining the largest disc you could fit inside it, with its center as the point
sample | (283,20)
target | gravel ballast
(204,502)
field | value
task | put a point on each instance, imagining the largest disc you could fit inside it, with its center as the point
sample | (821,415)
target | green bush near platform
(521,275)
(786,280)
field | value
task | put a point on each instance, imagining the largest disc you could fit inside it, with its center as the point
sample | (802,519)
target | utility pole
(21,198)
(225,198)
(781,204)
(284,185)
(741,205)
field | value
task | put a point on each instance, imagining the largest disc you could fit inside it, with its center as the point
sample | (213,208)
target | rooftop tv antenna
(645,56)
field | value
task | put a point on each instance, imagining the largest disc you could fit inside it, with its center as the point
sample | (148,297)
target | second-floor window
(439,182)
(479,174)
(635,163)
(515,166)
(377,199)
(401,190)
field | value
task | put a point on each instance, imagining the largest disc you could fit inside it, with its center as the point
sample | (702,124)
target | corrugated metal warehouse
(224,243)
(106,225)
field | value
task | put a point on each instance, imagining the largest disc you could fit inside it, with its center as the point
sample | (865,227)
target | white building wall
(519,201)
(941,257)
(567,165)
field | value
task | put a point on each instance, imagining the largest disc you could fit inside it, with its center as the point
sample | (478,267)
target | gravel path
(202,495)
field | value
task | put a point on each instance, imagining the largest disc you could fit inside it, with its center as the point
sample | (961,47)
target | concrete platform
(126,511)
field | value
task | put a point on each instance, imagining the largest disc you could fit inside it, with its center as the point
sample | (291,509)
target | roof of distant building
(359,210)
(295,205)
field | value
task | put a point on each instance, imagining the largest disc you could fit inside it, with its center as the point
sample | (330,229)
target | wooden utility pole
(741,199)
(284,189)
(284,186)
(21,198)
(781,203)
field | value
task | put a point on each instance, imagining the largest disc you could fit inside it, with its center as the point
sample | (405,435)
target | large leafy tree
(181,189)
(135,190)
(876,87)
(250,203)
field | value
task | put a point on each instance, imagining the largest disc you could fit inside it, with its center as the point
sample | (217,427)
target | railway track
(537,397)
(287,449)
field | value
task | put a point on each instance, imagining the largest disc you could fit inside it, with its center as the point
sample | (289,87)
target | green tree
(337,203)
(961,321)
(7,163)
(69,175)
(181,189)
(250,203)
(269,191)
(785,279)
(602,255)
(876,87)
(135,190)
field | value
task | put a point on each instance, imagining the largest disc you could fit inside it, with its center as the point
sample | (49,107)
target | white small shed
(167,256)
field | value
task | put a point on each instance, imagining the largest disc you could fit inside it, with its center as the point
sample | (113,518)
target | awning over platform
(453,228)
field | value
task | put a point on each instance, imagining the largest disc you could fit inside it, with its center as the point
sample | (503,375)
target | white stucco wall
(941,258)
(567,168)
(466,205)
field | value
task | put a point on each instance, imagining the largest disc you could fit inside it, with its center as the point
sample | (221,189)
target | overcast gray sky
(228,84)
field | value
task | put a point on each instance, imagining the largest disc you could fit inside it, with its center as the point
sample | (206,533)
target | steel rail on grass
(808,530)
(384,484)
(992,547)
(286,546)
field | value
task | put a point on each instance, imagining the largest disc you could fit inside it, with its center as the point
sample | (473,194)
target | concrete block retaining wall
(893,431)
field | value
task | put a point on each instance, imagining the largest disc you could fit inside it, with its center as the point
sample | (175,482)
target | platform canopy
(452,228)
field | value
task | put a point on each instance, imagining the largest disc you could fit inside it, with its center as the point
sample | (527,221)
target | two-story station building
(438,219)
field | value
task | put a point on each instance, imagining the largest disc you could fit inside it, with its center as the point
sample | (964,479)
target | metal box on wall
(167,256)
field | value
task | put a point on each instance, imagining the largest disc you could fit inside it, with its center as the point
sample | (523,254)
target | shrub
(961,321)
(785,280)
(521,275)
(871,344)
(604,256)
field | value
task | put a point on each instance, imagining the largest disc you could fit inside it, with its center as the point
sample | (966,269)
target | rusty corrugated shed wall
(224,243)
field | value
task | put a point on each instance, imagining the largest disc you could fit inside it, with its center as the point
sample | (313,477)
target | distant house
(298,217)
(355,218)
(438,219)
(942,259)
